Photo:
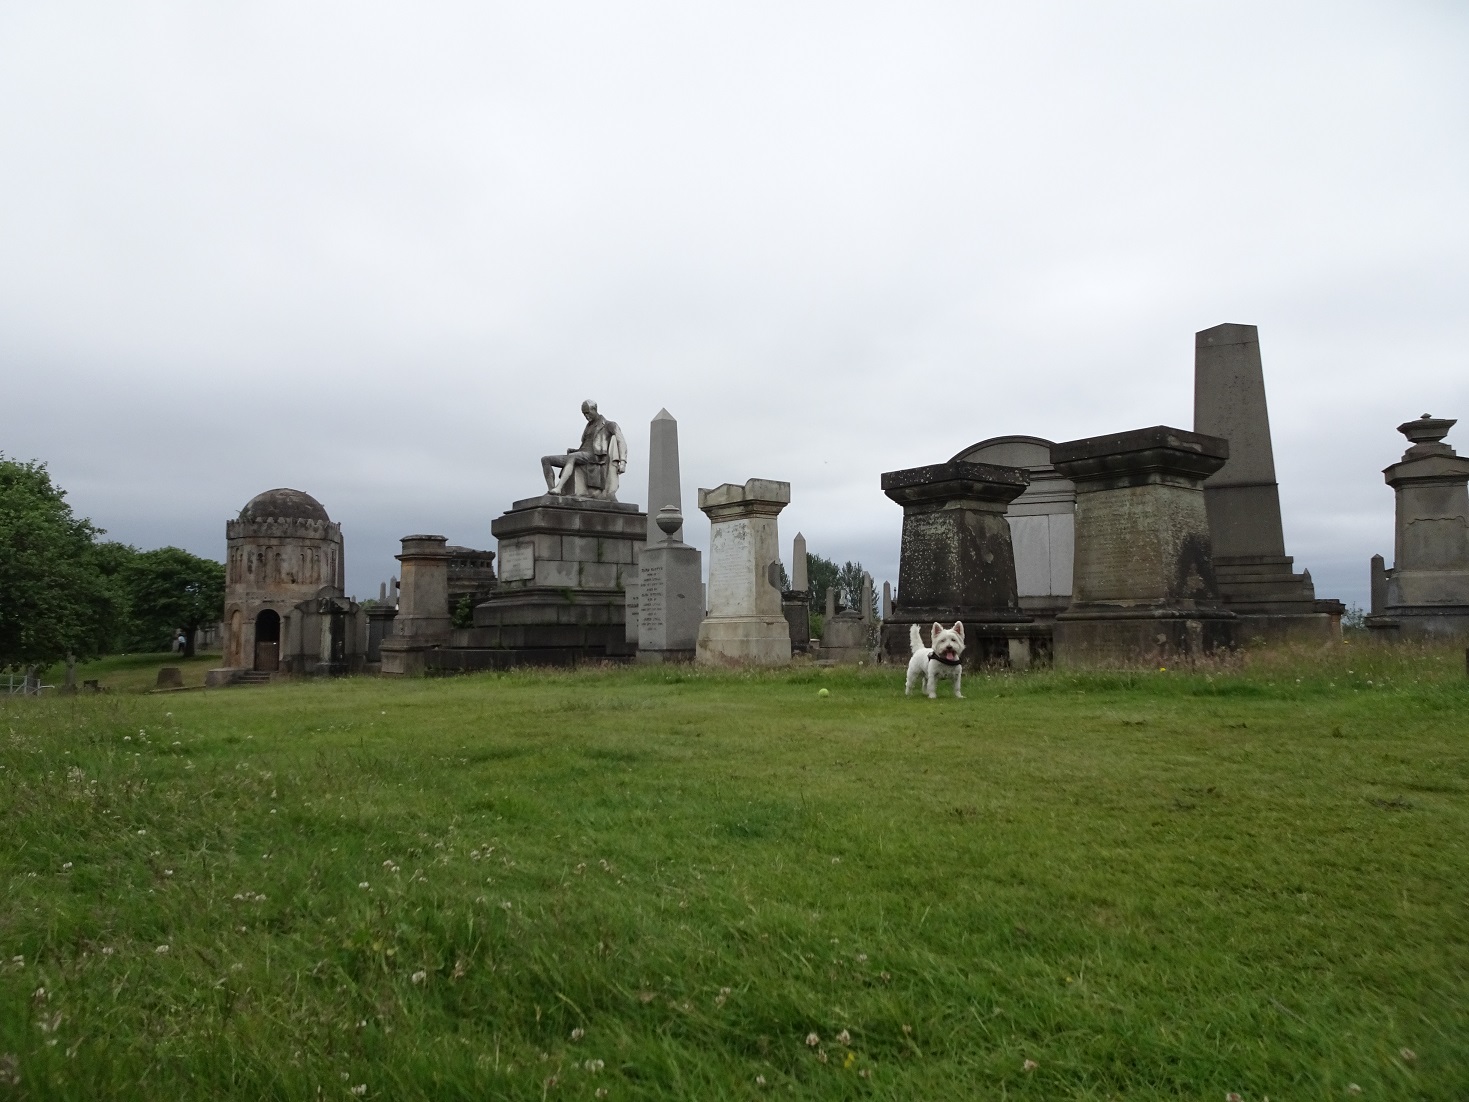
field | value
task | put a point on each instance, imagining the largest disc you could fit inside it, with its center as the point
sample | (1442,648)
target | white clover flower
(364,886)
(812,1040)
(419,976)
(161,950)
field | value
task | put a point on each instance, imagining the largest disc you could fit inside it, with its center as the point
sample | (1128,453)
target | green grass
(134,673)
(657,882)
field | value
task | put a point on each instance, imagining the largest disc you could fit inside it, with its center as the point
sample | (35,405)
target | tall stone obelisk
(1254,573)
(670,572)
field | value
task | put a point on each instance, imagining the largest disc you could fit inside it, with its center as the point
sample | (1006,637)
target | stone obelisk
(670,572)
(1254,573)
(796,602)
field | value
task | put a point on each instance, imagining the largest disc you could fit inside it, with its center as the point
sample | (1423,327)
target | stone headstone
(170,677)
(1242,498)
(1427,589)
(1144,588)
(800,581)
(745,621)
(887,601)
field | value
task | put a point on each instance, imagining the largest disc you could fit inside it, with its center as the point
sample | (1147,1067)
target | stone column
(956,561)
(1242,498)
(423,622)
(1428,587)
(887,600)
(745,622)
(800,579)
(1144,588)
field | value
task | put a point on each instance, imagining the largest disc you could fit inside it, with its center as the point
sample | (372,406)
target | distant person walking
(180,644)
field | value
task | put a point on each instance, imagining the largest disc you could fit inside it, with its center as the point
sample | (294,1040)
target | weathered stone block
(745,622)
(1144,587)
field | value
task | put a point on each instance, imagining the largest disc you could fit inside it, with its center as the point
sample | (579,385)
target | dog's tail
(915,638)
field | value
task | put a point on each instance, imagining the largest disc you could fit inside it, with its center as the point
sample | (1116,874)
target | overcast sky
(380,253)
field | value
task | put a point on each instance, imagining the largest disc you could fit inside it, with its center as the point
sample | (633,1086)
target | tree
(170,590)
(849,578)
(821,575)
(54,602)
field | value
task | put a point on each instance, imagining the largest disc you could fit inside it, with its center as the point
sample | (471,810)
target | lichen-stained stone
(1144,586)
(957,560)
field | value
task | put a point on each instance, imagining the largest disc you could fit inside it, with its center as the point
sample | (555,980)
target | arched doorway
(267,641)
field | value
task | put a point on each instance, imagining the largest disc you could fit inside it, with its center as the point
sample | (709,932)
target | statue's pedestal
(565,565)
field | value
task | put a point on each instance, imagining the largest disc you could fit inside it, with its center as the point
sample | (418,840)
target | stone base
(404,658)
(1310,627)
(986,644)
(664,657)
(672,597)
(225,675)
(751,640)
(1124,637)
(1420,624)
(844,639)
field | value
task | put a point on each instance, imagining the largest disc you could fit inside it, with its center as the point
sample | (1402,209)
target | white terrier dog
(941,659)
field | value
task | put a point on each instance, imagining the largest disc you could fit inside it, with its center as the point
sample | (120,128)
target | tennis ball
(823,692)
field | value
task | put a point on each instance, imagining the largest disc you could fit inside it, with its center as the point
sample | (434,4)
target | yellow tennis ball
(823,692)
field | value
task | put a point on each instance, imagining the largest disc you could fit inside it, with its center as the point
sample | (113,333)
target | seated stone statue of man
(594,467)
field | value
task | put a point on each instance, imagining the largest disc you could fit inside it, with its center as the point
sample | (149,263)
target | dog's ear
(959,628)
(937,628)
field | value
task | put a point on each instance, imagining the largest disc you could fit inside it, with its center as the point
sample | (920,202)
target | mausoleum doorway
(267,641)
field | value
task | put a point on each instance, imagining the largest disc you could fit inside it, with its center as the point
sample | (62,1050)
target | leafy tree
(54,601)
(821,575)
(170,590)
(849,578)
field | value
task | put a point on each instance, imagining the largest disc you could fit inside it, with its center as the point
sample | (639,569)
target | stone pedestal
(745,622)
(1144,588)
(957,560)
(422,623)
(1427,590)
(564,563)
(1254,573)
(1042,522)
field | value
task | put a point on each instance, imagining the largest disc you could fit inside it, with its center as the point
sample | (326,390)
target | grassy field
(650,883)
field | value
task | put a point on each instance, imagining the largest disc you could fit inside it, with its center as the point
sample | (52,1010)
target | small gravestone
(170,677)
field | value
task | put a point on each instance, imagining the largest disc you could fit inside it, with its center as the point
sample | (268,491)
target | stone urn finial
(669,519)
(1427,429)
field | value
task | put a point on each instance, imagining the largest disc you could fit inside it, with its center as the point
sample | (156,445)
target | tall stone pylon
(799,577)
(1254,573)
(663,477)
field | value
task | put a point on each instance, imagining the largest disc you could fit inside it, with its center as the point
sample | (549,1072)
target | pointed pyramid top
(664,415)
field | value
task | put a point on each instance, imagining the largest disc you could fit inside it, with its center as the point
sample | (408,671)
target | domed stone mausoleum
(285,608)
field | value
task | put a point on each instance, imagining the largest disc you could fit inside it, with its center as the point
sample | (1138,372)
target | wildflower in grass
(812,1040)
(1030,1065)
(1233,1096)
(506,904)
(360,1089)
(821,1055)
(168,872)
(40,995)
(578,1033)
(161,950)
(107,950)
(594,1066)
(850,1060)
(66,866)
(1409,1056)
(141,833)
(1352,1088)
(866,1073)
(365,886)
(886,977)
(600,1092)
(909,1029)
(759,1080)
(419,976)
(844,1038)
(861,958)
